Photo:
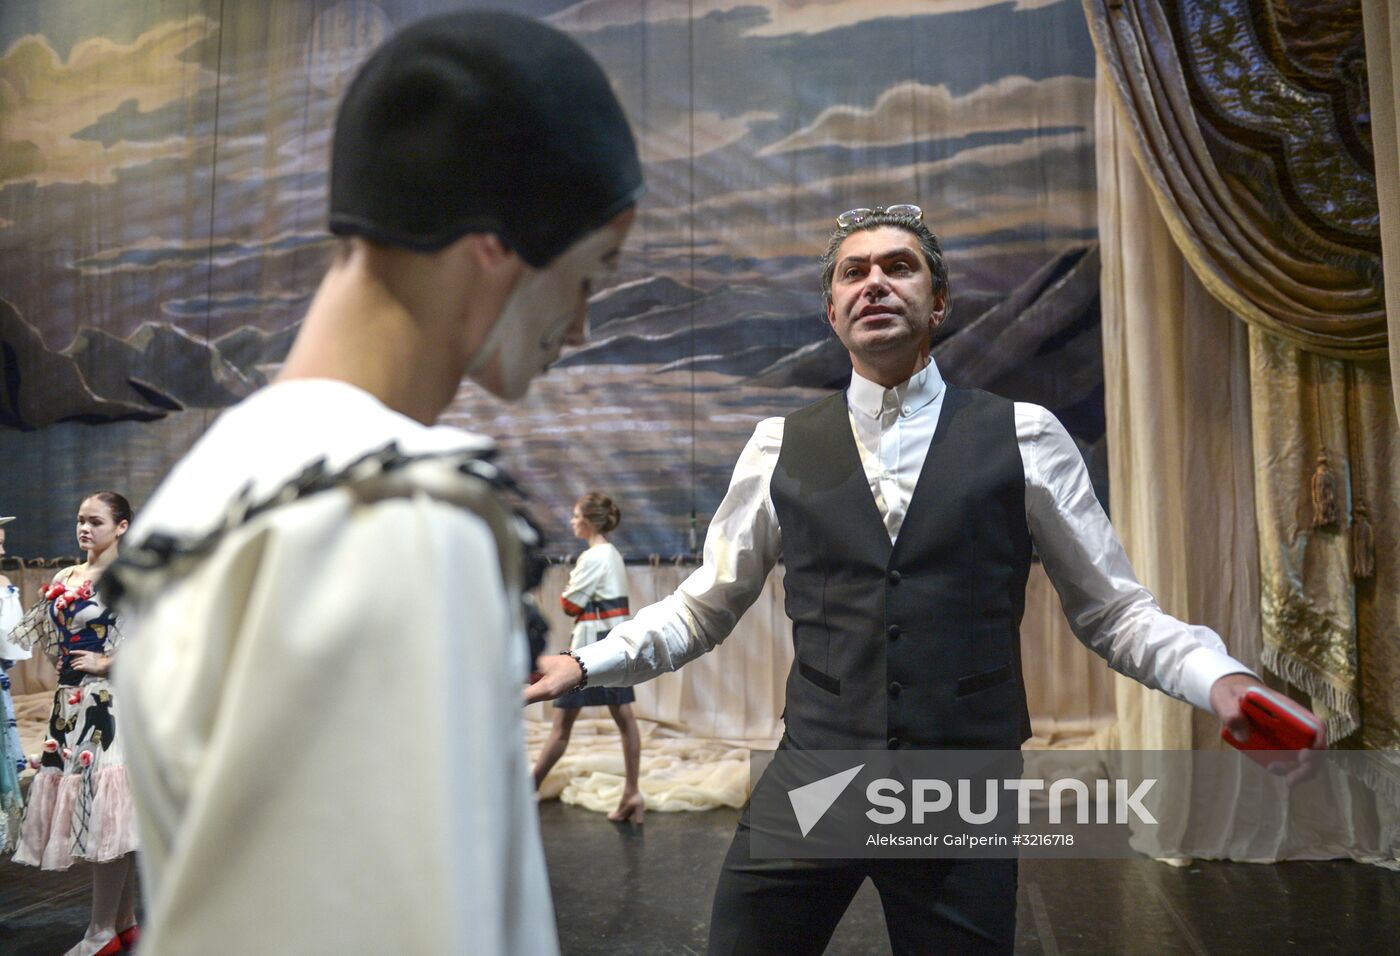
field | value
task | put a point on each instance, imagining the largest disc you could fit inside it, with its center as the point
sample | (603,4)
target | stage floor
(624,891)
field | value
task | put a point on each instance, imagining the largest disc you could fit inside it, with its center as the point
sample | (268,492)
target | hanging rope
(692,537)
(1324,484)
(205,413)
(1363,547)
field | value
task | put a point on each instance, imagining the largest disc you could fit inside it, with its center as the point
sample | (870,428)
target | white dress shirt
(1108,609)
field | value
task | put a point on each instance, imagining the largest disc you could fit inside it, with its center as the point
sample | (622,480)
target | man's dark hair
(928,245)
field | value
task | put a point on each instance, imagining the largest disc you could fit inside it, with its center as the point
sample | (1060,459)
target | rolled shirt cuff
(1200,669)
(606,667)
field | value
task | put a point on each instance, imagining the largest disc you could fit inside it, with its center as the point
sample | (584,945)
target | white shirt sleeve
(1108,609)
(741,547)
(11,612)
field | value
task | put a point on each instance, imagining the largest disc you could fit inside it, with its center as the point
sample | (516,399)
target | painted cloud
(911,112)
(45,100)
(784,17)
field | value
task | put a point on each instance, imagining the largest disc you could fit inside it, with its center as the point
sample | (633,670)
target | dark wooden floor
(621,891)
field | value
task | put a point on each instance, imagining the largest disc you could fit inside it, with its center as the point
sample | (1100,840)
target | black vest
(915,645)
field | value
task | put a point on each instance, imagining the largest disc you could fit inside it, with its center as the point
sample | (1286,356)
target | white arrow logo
(810,802)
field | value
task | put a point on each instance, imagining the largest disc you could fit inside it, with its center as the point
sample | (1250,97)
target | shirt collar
(871,399)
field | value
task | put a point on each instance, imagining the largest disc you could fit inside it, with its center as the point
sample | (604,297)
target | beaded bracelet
(583,681)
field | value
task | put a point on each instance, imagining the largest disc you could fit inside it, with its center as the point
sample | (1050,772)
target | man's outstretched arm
(1108,609)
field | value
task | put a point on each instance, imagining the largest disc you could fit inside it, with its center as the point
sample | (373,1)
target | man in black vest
(904,511)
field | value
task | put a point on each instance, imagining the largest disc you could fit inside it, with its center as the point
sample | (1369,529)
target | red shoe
(113,947)
(130,936)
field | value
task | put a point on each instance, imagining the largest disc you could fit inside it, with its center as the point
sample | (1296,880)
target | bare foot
(631,806)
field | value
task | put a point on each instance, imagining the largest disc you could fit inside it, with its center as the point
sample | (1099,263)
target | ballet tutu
(79,805)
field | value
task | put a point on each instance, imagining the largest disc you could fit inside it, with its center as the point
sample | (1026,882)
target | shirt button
(907,410)
(895,688)
(893,631)
(894,577)
(893,743)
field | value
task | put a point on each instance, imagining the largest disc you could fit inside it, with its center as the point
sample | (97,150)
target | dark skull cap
(481,122)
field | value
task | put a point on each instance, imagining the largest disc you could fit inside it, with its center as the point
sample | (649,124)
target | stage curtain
(1382,21)
(1327,628)
(1176,390)
(1198,443)
(1247,239)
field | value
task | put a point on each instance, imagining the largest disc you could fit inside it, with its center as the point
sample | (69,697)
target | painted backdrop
(162,197)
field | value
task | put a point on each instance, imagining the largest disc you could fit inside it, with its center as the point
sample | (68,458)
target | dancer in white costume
(597,598)
(325,632)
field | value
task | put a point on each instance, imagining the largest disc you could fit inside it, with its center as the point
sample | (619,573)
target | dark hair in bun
(599,511)
(117,504)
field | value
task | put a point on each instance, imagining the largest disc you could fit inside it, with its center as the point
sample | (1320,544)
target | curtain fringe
(1345,709)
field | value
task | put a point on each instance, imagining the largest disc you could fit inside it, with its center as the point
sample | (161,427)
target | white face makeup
(547,309)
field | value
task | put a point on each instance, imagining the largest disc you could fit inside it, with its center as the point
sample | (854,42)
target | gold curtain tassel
(1363,548)
(1324,494)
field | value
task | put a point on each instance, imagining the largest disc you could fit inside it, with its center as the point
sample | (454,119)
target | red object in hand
(1275,723)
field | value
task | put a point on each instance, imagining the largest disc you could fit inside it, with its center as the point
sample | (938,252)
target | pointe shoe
(113,947)
(130,936)
(631,808)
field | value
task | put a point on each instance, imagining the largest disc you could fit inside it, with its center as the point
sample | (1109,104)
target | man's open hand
(1226,698)
(559,674)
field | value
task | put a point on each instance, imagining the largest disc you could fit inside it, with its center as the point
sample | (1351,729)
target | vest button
(893,631)
(894,577)
(893,743)
(895,688)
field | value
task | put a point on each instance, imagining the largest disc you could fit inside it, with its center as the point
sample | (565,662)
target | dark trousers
(791,907)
